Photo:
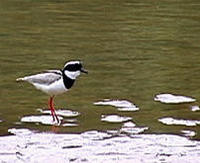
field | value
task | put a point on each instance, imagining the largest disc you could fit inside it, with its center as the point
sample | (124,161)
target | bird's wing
(54,71)
(46,78)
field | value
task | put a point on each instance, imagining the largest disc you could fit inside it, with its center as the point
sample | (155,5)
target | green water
(133,50)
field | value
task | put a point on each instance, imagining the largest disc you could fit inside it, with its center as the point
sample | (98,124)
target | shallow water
(94,146)
(133,50)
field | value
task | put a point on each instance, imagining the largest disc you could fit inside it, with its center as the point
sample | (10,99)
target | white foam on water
(172,121)
(96,146)
(188,133)
(115,118)
(121,105)
(64,113)
(43,119)
(195,108)
(170,98)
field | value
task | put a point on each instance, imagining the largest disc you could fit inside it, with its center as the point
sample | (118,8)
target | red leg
(53,113)
(50,107)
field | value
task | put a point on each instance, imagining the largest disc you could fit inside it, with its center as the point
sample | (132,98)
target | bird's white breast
(55,88)
(72,74)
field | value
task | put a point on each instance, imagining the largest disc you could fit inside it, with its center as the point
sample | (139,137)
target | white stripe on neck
(72,62)
(72,74)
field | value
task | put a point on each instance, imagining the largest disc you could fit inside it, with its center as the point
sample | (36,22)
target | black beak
(84,71)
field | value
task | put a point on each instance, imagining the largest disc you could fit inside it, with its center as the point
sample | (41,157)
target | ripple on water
(46,120)
(170,98)
(115,118)
(121,105)
(95,135)
(64,113)
(21,131)
(43,119)
(130,128)
(195,108)
(188,133)
(129,124)
(172,121)
(39,147)
(69,124)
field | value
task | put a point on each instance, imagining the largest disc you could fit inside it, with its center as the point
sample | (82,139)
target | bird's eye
(73,67)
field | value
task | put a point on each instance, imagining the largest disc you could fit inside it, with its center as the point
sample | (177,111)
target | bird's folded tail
(20,79)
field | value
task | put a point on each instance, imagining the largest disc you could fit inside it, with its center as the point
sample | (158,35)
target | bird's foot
(56,120)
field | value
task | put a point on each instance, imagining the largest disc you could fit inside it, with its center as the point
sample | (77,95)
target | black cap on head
(74,66)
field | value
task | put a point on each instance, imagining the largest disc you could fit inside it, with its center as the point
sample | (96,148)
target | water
(94,146)
(133,50)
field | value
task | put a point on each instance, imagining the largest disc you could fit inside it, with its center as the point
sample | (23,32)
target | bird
(55,82)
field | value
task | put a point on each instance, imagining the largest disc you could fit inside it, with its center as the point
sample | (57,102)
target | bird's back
(50,82)
(46,78)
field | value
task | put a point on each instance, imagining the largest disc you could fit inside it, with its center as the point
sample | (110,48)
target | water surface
(133,50)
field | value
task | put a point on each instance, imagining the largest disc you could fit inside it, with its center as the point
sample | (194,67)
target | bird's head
(73,69)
